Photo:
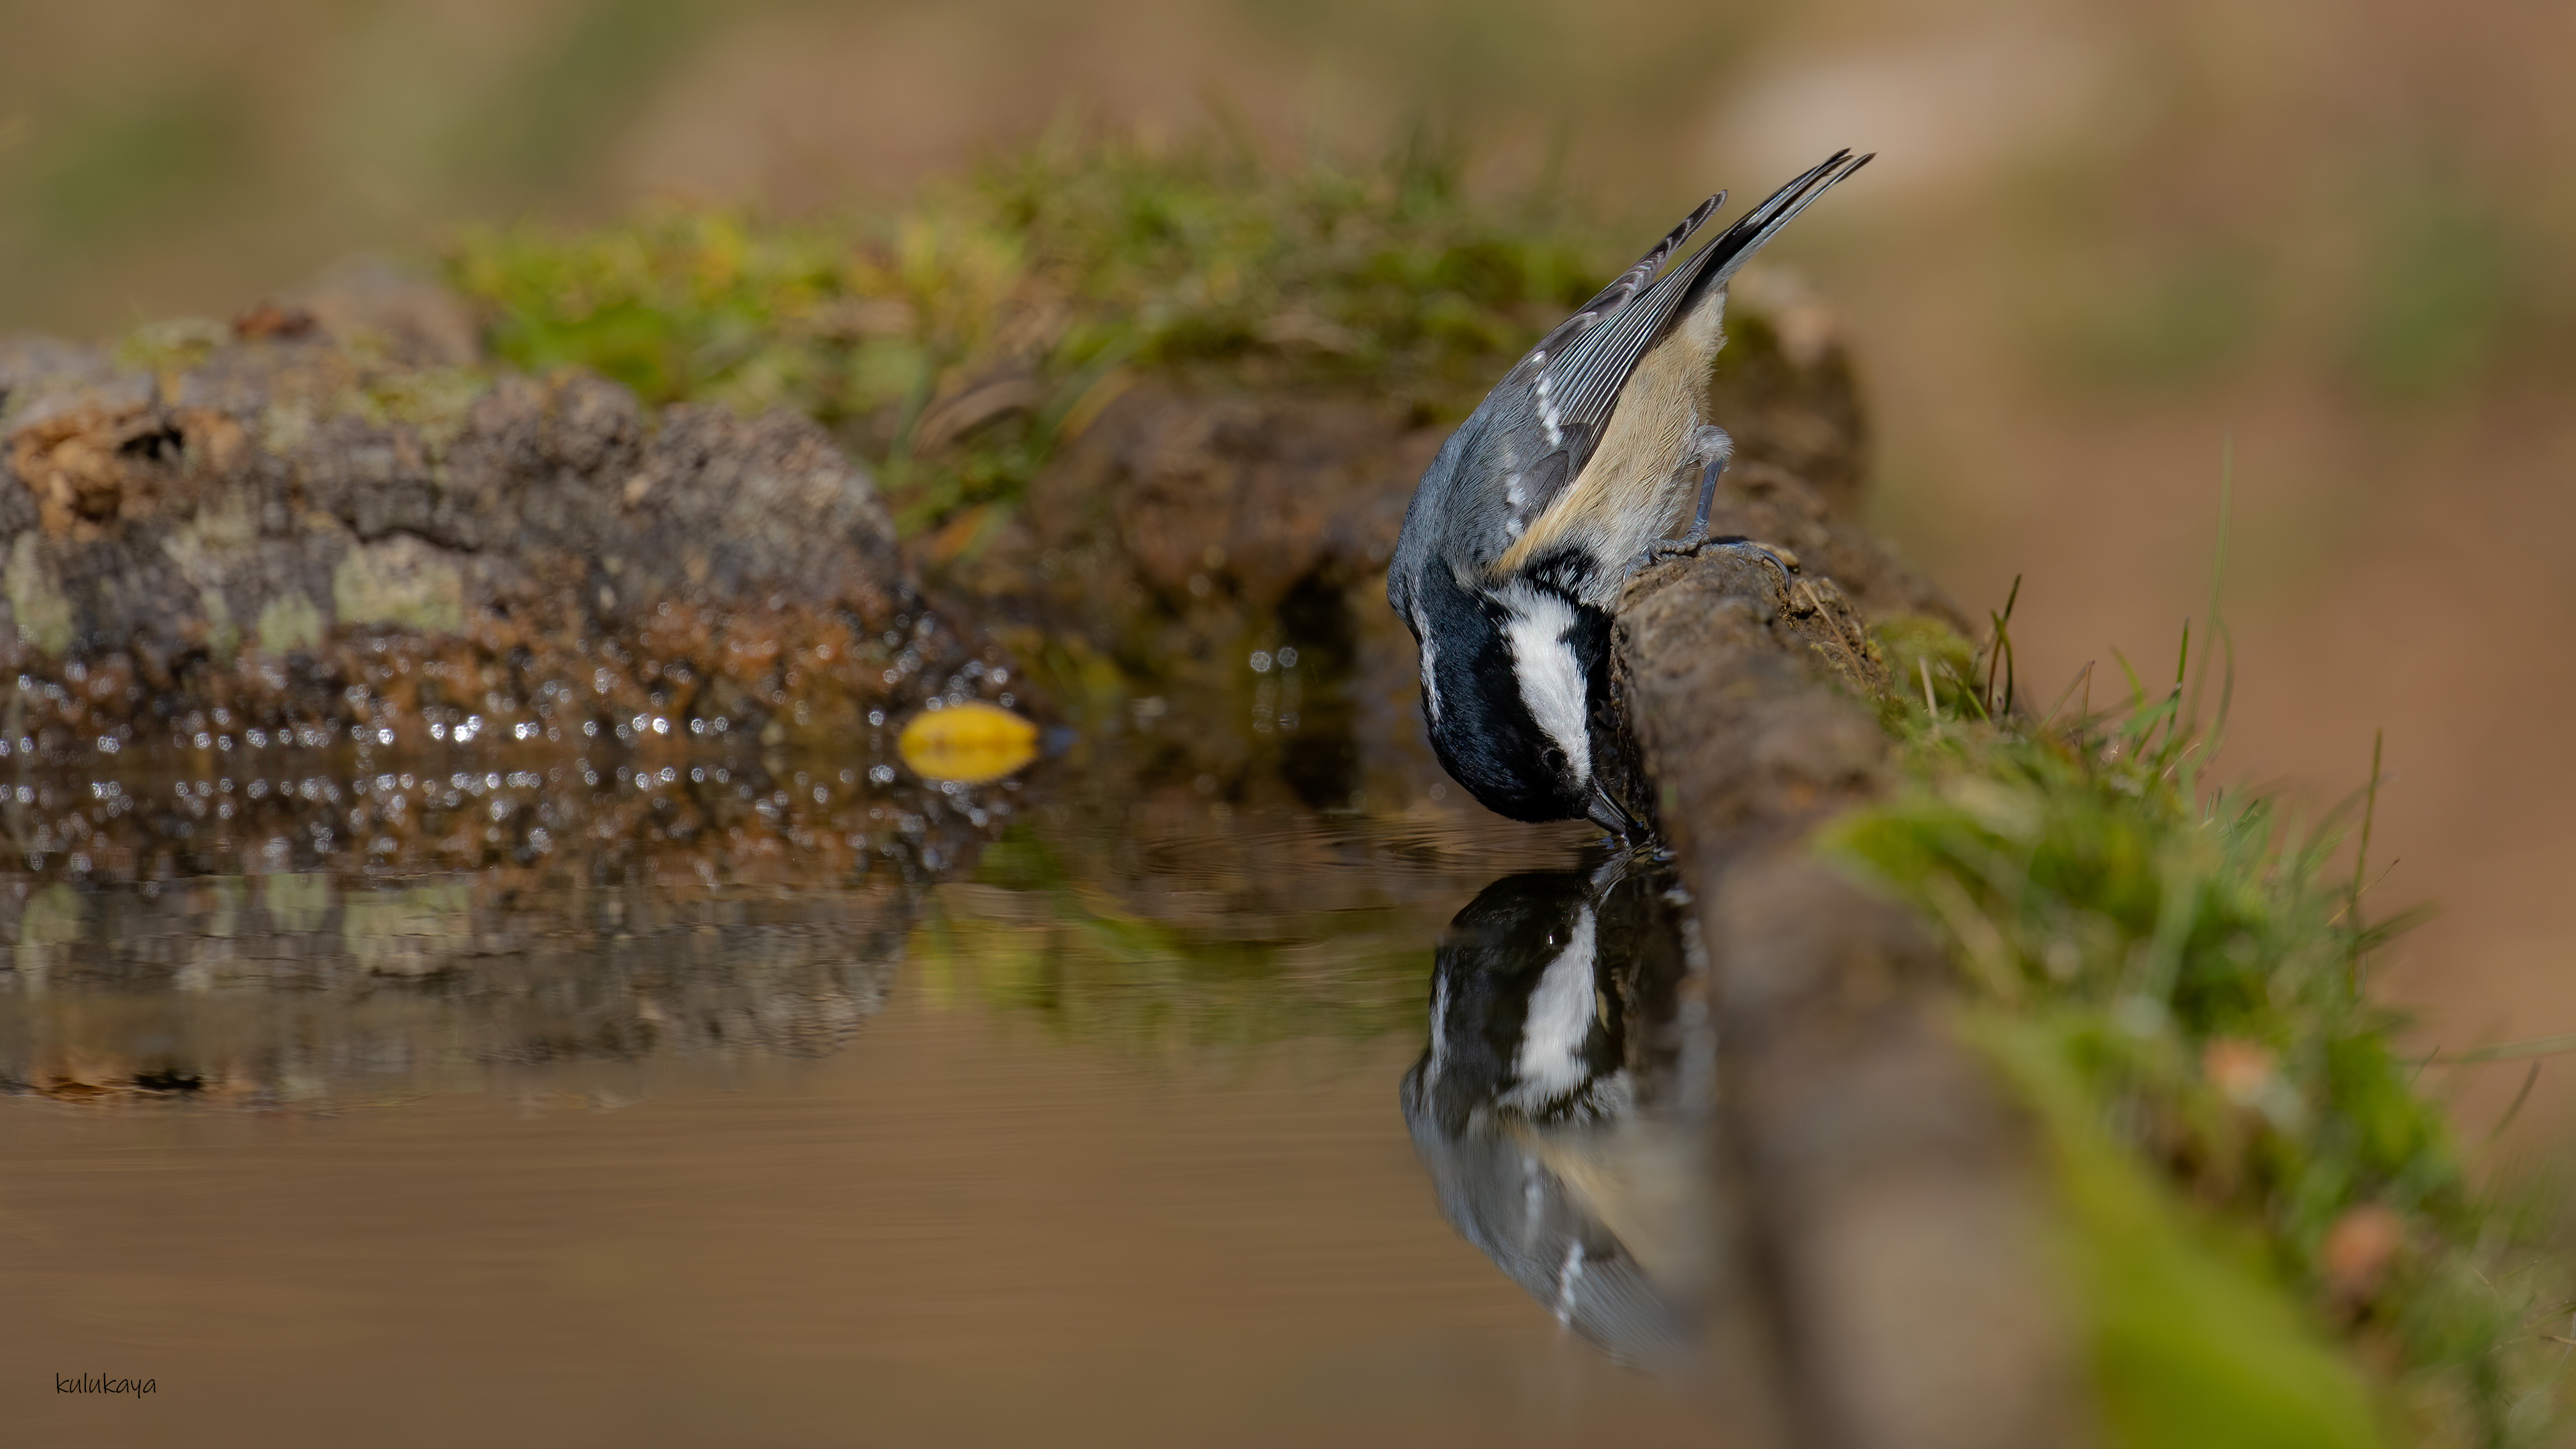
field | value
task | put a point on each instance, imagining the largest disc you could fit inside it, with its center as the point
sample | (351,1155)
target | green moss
(288,623)
(286,426)
(961,337)
(36,597)
(2173,978)
(401,582)
(171,347)
(54,916)
(435,402)
(1927,663)
(408,932)
(205,547)
(297,900)
(223,636)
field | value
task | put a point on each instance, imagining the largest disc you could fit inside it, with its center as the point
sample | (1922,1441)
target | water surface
(801,1107)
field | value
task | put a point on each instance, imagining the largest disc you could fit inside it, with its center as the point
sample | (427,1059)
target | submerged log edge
(1893,1202)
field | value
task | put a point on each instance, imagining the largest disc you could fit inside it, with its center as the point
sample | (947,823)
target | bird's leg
(1710,451)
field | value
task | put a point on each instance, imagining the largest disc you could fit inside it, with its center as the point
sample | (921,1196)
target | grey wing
(1624,286)
(1510,436)
(1540,425)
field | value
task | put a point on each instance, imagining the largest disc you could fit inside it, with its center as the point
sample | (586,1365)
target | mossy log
(1892,1201)
(298,532)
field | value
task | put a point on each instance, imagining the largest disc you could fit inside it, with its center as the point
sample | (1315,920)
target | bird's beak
(1610,815)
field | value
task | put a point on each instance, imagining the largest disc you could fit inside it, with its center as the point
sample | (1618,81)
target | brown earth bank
(1209,550)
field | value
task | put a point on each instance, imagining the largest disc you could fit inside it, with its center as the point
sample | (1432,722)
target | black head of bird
(1578,465)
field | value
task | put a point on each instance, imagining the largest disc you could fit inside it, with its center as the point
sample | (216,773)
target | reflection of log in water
(301,932)
(296,987)
(1561,1109)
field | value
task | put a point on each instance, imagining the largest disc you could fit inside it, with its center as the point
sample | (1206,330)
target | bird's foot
(1772,554)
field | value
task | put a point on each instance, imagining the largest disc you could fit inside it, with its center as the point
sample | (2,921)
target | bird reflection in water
(1562,1104)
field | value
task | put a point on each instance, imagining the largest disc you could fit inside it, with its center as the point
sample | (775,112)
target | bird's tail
(1711,266)
(1599,361)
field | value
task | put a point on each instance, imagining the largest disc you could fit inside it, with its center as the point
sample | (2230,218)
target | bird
(1571,474)
(1549,1108)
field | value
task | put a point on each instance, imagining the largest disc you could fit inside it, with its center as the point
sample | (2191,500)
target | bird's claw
(1671,548)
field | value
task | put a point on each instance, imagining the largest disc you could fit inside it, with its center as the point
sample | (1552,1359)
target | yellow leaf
(970,743)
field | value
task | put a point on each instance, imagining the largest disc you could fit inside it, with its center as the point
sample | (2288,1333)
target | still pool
(1117,1116)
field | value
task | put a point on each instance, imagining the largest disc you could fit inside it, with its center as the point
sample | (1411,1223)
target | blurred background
(2114,259)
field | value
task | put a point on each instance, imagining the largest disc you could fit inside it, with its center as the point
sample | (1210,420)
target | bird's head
(1510,679)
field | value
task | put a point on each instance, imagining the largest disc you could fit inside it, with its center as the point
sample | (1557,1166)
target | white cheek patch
(1569,1276)
(1430,680)
(1439,1033)
(1549,1066)
(1539,626)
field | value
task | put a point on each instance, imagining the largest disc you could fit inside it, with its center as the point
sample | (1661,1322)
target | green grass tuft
(2170,973)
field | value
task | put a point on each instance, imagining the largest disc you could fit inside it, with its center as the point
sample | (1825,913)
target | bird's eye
(1554,759)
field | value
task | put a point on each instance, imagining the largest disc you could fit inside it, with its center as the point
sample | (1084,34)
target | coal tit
(1571,473)
(1553,1055)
